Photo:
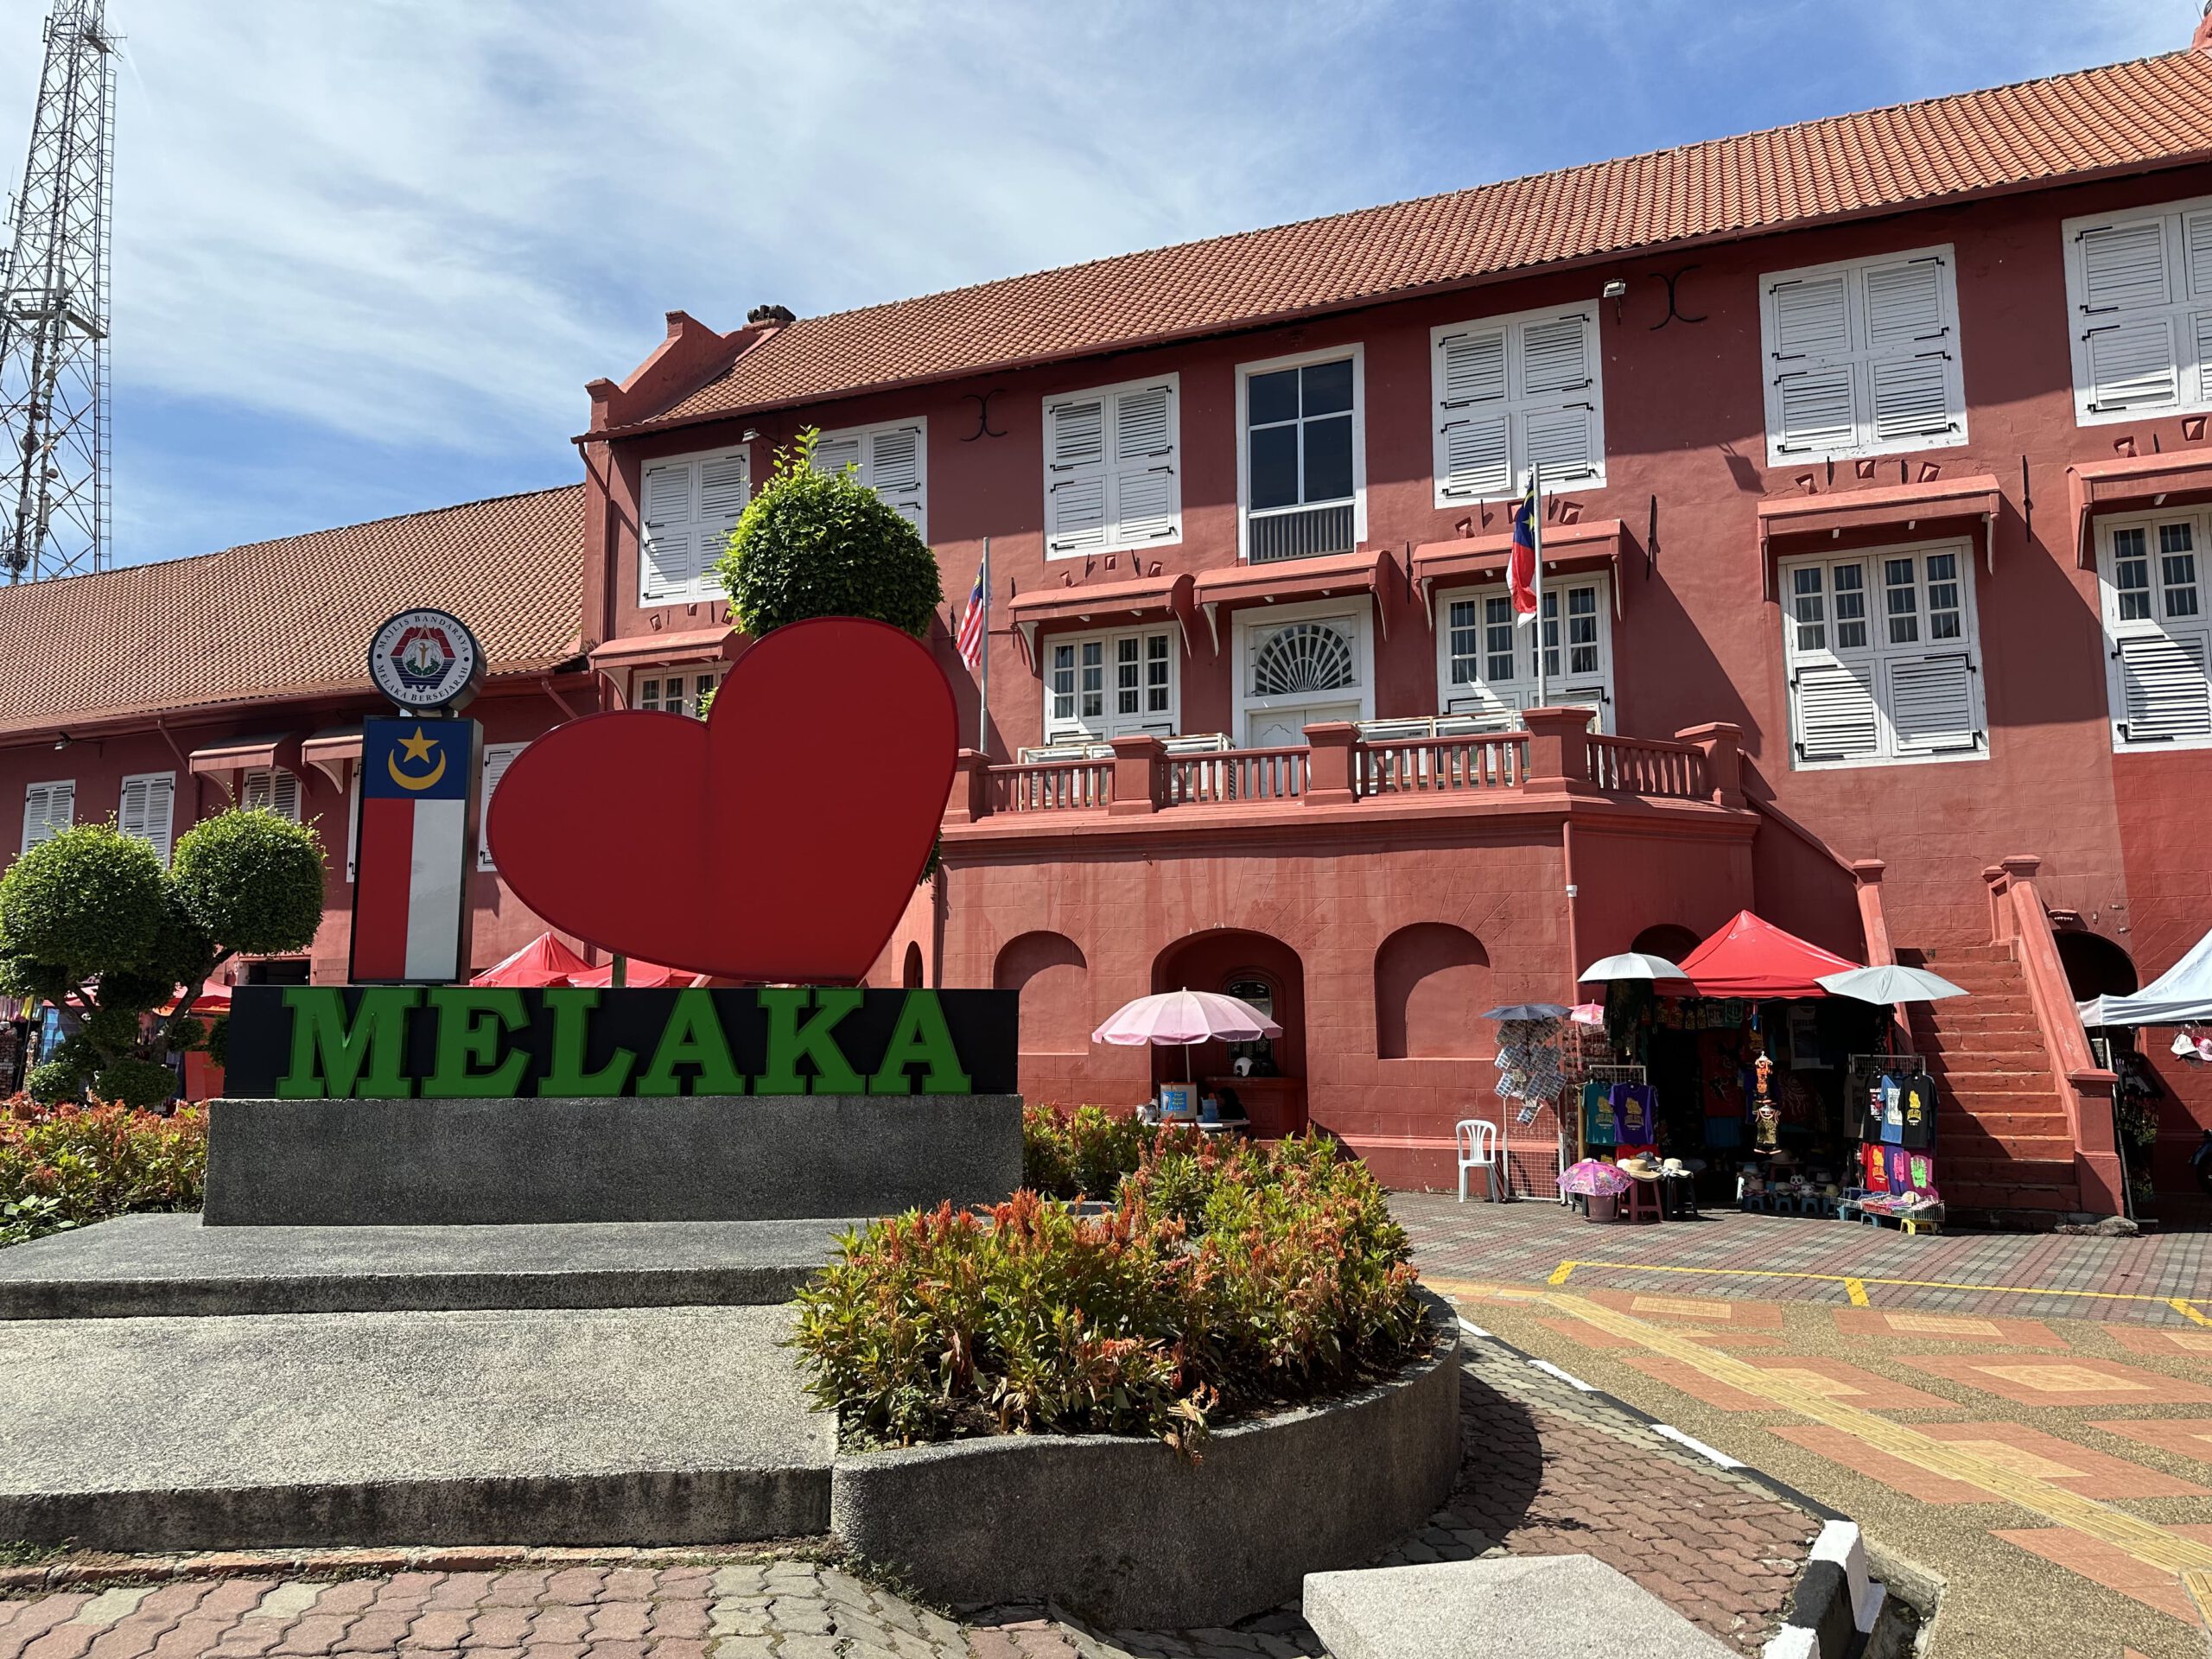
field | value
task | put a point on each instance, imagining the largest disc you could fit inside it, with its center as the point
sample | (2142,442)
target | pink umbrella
(1593,1176)
(1179,1019)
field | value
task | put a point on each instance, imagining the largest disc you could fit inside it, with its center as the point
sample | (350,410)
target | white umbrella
(1890,984)
(1631,965)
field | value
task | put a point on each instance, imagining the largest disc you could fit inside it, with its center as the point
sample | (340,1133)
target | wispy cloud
(367,254)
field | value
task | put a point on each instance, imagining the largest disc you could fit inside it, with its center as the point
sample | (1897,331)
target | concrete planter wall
(1126,1534)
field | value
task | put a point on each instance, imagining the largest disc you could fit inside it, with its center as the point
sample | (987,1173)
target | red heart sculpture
(780,839)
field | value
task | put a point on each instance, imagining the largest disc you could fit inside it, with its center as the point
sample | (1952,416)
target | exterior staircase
(2003,1140)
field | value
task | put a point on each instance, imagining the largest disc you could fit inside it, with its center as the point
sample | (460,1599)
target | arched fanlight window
(1303,656)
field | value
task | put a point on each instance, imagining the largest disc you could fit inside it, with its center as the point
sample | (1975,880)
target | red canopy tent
(637,976)
(544,961)
(1749,957)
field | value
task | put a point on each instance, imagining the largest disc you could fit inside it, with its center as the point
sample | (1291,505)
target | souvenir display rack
(1918,1208)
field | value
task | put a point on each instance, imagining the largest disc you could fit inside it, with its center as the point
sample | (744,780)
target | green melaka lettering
(472,1026)
(334,1060)
(565,1076)
(921,1037)
(693,1037)
(789,1041)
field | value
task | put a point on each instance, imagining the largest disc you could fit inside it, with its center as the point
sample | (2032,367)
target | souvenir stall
(1740,1078)
(1537,1048)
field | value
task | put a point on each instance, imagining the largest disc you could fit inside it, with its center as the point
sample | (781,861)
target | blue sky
(368,253)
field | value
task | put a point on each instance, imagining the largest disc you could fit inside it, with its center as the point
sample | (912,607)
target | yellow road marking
(2145,1540)
(2199,1584)
(1856,1289)
(2184,1304)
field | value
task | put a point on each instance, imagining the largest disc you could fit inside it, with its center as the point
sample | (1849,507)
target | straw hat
(1641,1168)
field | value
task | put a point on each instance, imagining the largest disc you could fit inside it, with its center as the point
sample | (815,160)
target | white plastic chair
(1478,1150)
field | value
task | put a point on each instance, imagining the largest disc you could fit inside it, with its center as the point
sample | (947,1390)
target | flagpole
(1536,546)
(983,679)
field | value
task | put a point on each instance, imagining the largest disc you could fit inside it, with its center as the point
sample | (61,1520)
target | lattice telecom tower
(53,385)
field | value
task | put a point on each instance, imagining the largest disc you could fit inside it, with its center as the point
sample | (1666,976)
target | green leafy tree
(823,544)
(91,920)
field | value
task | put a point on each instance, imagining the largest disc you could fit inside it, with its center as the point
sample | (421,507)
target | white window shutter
(1478,457)
(666,545)
(2164,693)
(668,493)
(1909,383)
(146,809)
(1911,397)
(833,455)
(2196,237)
(354,823)
(284,794)
(1561,441)
(1473,368)
(2204,358)
(1812,319)
(1075,473)
(497,757)
(48,808)
(895,471)
(1145,499)
(1931,704)
(2124,267)
(1815,409)
(2132,365)
(1837,718)
(1556,356)
(1905,305)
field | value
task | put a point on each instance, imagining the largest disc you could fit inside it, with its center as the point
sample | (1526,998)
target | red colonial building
(1878,491)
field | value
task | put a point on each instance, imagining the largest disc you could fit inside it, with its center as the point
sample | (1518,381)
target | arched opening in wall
(911,974)
(1431,984)
(2095,966)
(1267,1077)
(1667,940)
(1049,971)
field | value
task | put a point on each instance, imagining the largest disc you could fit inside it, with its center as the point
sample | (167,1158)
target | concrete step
(1952,1166)
(1955,954)
(1975,1103)
(1946,1026)
(1963,1146)
(2052,1122)
(161,1265)
(1980,1081)
(2025,1043)
(572,1425)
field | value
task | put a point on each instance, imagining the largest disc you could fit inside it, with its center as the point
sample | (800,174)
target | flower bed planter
(1125,1533)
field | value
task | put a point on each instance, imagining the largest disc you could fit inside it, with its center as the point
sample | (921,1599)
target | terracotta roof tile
(2156,111)
(292,616)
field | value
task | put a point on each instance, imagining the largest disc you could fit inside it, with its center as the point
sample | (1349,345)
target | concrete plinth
(314,1163)
(578,1427)
(1530,1606)
(138,1266)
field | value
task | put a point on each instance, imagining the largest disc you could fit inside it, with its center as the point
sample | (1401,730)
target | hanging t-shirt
(1893,1111)
(1919,1130)
(1874,1168)
(1897,1166)
(1634,1105)
(1921,1168)
(1598,1115)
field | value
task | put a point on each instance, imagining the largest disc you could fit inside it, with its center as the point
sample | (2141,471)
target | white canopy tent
(2181,996)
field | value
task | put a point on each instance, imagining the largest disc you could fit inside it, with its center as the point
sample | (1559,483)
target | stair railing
(2018,919)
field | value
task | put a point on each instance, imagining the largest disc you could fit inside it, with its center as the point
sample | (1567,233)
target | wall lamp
(1615,290)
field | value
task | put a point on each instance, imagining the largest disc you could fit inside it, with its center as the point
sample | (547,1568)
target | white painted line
(1567,1377)
(1472,1329)
(1711,1454)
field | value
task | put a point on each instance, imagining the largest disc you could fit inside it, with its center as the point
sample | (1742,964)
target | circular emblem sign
(425,660)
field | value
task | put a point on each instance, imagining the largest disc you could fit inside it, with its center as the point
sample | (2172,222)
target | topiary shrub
(92,922)
(1227,1279)
(823,544)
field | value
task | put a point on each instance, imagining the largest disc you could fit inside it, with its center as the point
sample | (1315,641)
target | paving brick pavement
(1727,1253)
(1545,1472)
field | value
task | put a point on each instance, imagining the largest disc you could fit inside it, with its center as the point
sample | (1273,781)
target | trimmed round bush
(85,901)
(822,544)
(250,878)
(136,1083)
(54,1082)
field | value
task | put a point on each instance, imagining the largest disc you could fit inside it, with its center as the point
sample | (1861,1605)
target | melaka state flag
(1521,562)
(411,854)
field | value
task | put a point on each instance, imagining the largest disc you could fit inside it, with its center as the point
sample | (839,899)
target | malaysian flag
(973,623)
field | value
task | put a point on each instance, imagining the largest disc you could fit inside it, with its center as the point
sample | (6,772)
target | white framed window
(1862,358)
(270,789)
(1112,467)
(692,505)
(674,690)
(1486,663)
(1882,657)
(354,823)
(1119,685)
(497,757)
(1301,460)
(48,808)
(1512,392)
(2138,296)
(147,809)
(1298,665)
(2152,581)
(891,458)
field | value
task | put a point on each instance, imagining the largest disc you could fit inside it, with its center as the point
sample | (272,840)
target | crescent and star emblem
(418,747)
